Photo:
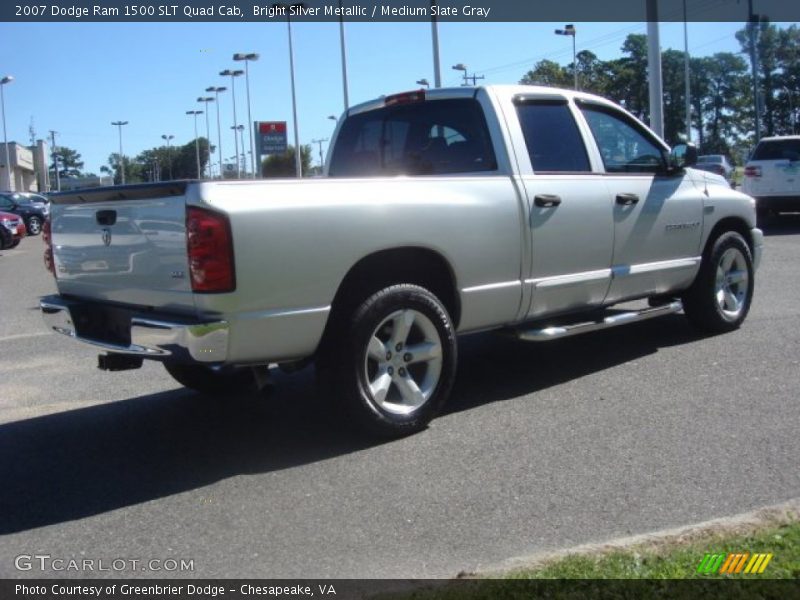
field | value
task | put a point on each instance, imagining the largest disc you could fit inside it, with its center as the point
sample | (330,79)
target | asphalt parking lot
(542,447)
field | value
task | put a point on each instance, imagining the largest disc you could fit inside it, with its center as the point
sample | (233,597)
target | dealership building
(28,167)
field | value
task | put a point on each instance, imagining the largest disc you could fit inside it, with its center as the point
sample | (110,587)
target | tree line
(721,90)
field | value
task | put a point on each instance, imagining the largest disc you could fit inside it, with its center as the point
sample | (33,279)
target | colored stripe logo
(734,563)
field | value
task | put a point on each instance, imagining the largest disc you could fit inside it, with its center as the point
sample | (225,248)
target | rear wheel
(720,297)
(212,381)
(394,364)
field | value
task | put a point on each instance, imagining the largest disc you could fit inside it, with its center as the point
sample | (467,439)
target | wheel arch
(408,264)
(736,224)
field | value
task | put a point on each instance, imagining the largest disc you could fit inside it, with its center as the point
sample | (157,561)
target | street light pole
(119,125)
(687,85)
(570,31)
(437,70)
(169,153)
(233,75)
(344,56)
(3,82)
(196,142)
(298,165)
(216,91)
(752,30)
(206,100)
(247,57)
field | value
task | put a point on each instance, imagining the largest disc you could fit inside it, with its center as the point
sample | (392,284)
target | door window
(624,145)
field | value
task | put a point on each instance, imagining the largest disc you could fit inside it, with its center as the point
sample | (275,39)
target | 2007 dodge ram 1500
(531,209)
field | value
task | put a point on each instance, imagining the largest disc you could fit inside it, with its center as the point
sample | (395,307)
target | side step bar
(562,331)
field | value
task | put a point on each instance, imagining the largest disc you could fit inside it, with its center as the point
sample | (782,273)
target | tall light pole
(169,152)
(119,125)
(238,130)
(298,165)
(344,57)
(752,29)
(570,30)
(247,57)
(216,91)
(437,69)
(654,75)
(3,82)
(233,74)
(196,142)
(687,85)
(206,100)
(463,67)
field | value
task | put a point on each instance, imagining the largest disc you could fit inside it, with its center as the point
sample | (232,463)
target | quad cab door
(657,211)
(570,224)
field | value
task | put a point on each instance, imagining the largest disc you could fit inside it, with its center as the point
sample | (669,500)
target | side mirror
(683,155)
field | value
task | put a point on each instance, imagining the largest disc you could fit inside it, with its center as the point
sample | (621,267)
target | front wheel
(720,297)
(397,360)
(34,225)
(212,381)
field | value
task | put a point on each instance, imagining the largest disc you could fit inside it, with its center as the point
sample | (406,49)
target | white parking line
(22,336)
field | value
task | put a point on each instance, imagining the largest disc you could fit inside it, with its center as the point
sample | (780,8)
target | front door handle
(546,200)
(627,199)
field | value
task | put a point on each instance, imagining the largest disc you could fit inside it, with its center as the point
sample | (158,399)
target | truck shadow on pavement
(88,461)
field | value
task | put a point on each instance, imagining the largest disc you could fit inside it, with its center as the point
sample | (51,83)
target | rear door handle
(627,199)
(546,200)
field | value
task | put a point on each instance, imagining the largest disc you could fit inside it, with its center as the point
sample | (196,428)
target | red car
(12,230)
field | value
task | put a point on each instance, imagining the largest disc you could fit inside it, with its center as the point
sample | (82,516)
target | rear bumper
(150,337)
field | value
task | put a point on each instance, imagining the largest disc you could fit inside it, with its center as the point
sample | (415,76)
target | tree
(132,169)
(548,72)
(69,162)
(282,165)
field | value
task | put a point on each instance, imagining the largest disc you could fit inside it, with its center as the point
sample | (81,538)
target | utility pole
(321,158)
(55,159)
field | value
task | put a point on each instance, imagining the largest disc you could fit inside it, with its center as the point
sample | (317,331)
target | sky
(76,78)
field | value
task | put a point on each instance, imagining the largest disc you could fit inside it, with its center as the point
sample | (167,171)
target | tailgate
(124,244)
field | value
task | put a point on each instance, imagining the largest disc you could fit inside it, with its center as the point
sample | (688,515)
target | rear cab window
(435,137)
(552,137)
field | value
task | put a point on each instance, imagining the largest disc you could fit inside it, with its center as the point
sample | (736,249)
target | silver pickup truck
(528,209)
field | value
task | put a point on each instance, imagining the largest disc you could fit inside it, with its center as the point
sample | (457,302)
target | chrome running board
(562,331)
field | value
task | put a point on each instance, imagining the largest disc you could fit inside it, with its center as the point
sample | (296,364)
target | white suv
(772,175)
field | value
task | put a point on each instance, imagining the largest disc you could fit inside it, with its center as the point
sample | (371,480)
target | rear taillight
(752,171)
(210,250)
(47,238)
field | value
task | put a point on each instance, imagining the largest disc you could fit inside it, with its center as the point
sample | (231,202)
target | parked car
(772,175)
(716,163)
(12,230)
(532,210)
(33,213)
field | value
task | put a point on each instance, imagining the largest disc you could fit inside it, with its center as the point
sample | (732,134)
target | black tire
(212,382)
(15,243)
(34,225)
(416,387)
(718,301)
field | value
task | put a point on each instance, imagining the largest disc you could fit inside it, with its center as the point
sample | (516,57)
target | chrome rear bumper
(156,338)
